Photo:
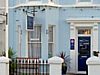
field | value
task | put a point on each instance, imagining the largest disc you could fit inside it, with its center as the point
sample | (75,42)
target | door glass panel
(84,46)
(84,31)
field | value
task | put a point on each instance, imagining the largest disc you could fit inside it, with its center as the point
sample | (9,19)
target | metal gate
(28,66)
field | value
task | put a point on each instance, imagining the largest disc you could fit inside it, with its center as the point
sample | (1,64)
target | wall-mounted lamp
(47,31)
(31,12)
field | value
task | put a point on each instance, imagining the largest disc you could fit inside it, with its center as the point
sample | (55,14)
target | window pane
(50,48)
(34,50)
(84,31)
(34,42)
(84,0)
(37,33)
(30,22)
(35,36)
(50,41)
(50,34)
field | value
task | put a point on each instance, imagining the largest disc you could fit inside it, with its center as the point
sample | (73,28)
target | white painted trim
(91,23)
(36,39)
(35,42)
(26,44)
(90,35)
(95,37)
(85,20)
(81,72)
(73,52)
(6,39)
(37,4)
(56,5)
(26,34)
(83,3)
(84,34)
(54,40)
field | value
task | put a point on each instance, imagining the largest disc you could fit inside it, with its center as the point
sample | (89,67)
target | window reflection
(84,31)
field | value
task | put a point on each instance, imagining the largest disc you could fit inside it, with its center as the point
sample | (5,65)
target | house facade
(44,28)
(2,25)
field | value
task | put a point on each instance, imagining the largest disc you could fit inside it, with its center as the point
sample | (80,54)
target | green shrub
(11,53)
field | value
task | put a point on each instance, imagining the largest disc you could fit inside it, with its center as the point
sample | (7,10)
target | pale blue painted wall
(53,16)
(22,16)
(96,1)
(11,27)
(63,32)
(68,2)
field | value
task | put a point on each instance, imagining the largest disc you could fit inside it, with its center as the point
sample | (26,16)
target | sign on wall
(30,22)
(72,44)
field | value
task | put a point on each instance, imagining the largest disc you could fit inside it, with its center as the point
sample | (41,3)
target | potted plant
(95,53)
(66,61)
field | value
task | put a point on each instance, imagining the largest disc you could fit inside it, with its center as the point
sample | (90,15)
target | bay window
(34,42)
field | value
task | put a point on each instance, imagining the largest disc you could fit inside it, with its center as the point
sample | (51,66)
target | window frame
(32,42)
(53,40)
(27,23)
(77,2)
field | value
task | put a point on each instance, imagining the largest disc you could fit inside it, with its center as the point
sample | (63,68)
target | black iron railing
(26,66)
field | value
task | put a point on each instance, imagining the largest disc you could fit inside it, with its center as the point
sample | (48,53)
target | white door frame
(77,23)
(76,46)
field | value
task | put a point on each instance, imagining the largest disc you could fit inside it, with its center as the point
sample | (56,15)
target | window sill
(84,3)
(34,42)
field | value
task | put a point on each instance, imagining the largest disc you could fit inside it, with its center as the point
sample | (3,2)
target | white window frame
(29,42)
(54,37)
(84,3)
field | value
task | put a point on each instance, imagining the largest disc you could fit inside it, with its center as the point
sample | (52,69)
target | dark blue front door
(83,51)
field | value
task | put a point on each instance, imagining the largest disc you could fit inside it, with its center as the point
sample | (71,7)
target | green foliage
(11,53)
(95,53)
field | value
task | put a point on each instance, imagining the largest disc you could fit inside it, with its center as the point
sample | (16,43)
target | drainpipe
(6,33)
